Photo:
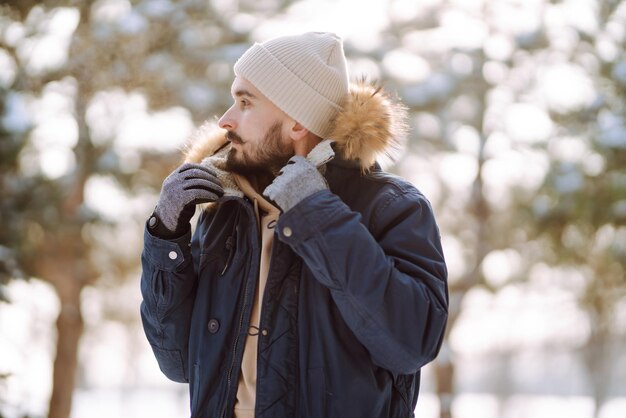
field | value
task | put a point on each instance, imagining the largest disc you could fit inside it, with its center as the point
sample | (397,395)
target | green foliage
(172,54)
(468,85)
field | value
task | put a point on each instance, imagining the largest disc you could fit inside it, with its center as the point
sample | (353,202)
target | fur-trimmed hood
(370,126)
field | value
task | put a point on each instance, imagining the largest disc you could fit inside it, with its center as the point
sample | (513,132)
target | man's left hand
(297,180)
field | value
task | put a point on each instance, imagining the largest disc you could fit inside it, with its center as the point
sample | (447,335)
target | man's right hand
(188,185)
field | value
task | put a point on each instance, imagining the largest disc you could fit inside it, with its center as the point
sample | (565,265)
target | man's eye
(244,103)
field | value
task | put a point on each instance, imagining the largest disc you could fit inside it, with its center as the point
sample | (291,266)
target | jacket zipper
(234,351)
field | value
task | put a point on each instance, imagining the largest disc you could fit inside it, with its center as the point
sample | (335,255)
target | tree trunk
(71,281)
(444,365)
(597,356)
(70,328)
(444,369)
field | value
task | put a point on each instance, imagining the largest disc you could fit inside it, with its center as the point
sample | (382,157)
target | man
(314,284)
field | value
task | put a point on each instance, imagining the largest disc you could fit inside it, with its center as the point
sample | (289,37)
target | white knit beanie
(304,75)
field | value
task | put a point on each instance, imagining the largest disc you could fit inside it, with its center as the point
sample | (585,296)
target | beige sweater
(267,215)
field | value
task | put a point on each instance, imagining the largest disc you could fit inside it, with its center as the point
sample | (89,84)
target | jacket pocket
(317,393)
(230,249)
(220,254)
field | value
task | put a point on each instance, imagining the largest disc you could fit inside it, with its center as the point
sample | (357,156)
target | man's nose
(227,121)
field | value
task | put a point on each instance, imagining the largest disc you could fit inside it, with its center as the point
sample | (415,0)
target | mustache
(233,137)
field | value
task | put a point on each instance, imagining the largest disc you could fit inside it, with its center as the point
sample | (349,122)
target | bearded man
(314,284)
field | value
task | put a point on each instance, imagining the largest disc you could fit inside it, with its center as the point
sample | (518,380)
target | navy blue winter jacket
(355,301)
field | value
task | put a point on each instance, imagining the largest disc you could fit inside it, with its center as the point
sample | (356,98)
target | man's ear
(302,139)
(298,132)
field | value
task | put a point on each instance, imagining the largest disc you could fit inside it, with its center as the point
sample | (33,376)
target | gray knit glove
(300,178)
(297,180)
(187,186)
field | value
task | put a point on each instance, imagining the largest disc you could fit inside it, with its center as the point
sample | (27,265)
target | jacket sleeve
(168,284)
(391,290)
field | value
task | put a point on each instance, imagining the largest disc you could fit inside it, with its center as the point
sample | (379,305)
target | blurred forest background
(518,118)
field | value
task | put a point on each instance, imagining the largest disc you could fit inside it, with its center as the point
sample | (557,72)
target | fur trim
(206,146)
(205,141)
(370,126)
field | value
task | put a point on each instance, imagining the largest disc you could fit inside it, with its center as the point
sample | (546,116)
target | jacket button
(287,231)
(213,326)
(172,255)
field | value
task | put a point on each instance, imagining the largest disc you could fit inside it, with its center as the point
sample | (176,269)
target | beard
(267,158)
